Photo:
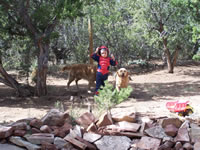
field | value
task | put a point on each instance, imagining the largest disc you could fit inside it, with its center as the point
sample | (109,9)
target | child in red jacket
(104,62)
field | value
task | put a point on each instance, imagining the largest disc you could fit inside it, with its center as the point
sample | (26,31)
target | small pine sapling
(109,97)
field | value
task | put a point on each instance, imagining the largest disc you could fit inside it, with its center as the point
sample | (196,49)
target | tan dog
(81,71)
(122,78)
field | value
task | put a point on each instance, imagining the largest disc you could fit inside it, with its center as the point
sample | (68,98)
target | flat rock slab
(113,143)
(148,143)
(10,147)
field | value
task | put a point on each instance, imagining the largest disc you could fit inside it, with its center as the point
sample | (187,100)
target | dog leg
(70,81)
(90,84)
(77,79)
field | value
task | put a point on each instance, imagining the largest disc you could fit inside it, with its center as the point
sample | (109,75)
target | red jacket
(103,63)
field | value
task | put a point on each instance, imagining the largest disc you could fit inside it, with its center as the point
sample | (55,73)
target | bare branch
(169,16)
(26,18)
(154,12)
(5,4)
(5,82)
(51,27)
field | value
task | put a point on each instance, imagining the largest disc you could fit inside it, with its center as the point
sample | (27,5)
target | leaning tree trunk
(21,90)
(41,87)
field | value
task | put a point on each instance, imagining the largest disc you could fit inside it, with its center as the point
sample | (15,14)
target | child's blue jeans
(100,78)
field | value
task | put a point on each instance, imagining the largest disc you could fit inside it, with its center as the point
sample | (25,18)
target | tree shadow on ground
(147,91)
(56,94)
(141,92)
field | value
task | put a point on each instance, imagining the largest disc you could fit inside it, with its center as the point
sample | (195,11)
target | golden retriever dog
(122,78)
(81,71)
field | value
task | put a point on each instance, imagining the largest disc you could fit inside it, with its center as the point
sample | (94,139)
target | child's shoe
(96,93)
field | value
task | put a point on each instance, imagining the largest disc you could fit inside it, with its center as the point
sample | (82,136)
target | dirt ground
(151,92)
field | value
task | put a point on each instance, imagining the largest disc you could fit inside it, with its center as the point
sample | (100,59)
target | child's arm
(113,57)
(113,62)
(95,55)
(97,49)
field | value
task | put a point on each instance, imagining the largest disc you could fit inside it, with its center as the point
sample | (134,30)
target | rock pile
(55,131)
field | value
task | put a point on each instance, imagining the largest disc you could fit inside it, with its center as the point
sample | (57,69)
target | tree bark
(42,68)
(90,38)
(195,48)
(38,36)
(171,59)
(175,55)
(167,53)
(43,46)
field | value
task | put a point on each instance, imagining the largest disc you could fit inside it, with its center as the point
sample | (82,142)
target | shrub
(196,57)
(140,62)
(59,105)
(108,97)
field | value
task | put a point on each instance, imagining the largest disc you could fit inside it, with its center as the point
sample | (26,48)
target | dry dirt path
(150,93)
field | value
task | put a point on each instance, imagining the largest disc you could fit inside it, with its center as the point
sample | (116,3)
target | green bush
(108,97)
(196,57)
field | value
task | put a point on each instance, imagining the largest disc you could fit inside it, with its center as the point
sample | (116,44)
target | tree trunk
(41,87)
(90,38)
(195,49)
(21,90)
(171,59)
(168,55)
(175,55)
(42,44)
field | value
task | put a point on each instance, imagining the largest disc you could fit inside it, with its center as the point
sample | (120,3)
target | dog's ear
(118,73)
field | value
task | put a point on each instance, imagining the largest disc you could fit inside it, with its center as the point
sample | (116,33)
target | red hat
(103,47)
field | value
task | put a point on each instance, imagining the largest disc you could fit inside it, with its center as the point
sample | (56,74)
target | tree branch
(169,16)
(5,82)
(51,27)
(5,4)
(26,18)
(153,12)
